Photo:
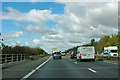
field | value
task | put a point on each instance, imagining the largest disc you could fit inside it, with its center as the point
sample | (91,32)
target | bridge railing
(6,58)
(108,57)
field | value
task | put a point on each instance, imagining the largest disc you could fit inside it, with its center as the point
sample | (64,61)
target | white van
(112,50)
(86,53)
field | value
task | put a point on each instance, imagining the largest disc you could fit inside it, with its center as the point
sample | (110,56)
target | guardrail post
(5,58)
(17,57)
(24,56)
(12,58)
(21,56)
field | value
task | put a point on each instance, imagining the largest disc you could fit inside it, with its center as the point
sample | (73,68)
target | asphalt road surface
(64,68)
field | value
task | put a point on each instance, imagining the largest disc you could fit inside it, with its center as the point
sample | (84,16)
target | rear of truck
(86,53)
(112,50)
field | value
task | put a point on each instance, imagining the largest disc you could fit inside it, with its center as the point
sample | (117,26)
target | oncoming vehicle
(57,55)
(86,53)
(105,54)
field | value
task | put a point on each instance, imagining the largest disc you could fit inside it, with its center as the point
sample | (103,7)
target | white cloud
(33,0)
(13,44)
(27,0)
(18,42)
(36,16)
(59,0)
(36,41)
(100,16)
(63,1)
(78,25)
(10,36)
(26,43)
(39,30)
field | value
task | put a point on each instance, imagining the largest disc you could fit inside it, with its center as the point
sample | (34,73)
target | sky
(61,25)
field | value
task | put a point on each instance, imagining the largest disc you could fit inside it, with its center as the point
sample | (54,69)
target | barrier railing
(6,58)
(108,57)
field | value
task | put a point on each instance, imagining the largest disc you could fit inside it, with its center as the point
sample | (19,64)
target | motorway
(63,68)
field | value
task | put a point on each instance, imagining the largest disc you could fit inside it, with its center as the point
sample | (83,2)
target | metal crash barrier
(108,57)
(6,58)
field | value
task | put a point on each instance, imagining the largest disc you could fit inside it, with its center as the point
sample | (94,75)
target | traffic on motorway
(85,53)
(61,65)
(74,39)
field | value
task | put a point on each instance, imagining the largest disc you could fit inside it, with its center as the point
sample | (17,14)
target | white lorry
(86,53)
(112,50)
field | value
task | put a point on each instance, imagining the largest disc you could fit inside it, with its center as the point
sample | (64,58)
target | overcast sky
(57,24)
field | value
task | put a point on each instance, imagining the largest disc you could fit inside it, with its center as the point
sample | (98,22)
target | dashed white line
(29,74)
(75,62)
(92,70)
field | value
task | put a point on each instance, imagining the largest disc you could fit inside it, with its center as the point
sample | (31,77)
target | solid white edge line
(30,73)
(92,70)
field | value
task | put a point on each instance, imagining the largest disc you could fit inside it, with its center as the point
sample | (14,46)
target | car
(57,55)
(73,54)
(105,54)
(63,53)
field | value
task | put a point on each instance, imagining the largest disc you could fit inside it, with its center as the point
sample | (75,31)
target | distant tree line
(22,50)
(113,40)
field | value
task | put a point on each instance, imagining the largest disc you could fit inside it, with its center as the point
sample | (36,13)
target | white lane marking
(92,70)
(75,62)
(29,74)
